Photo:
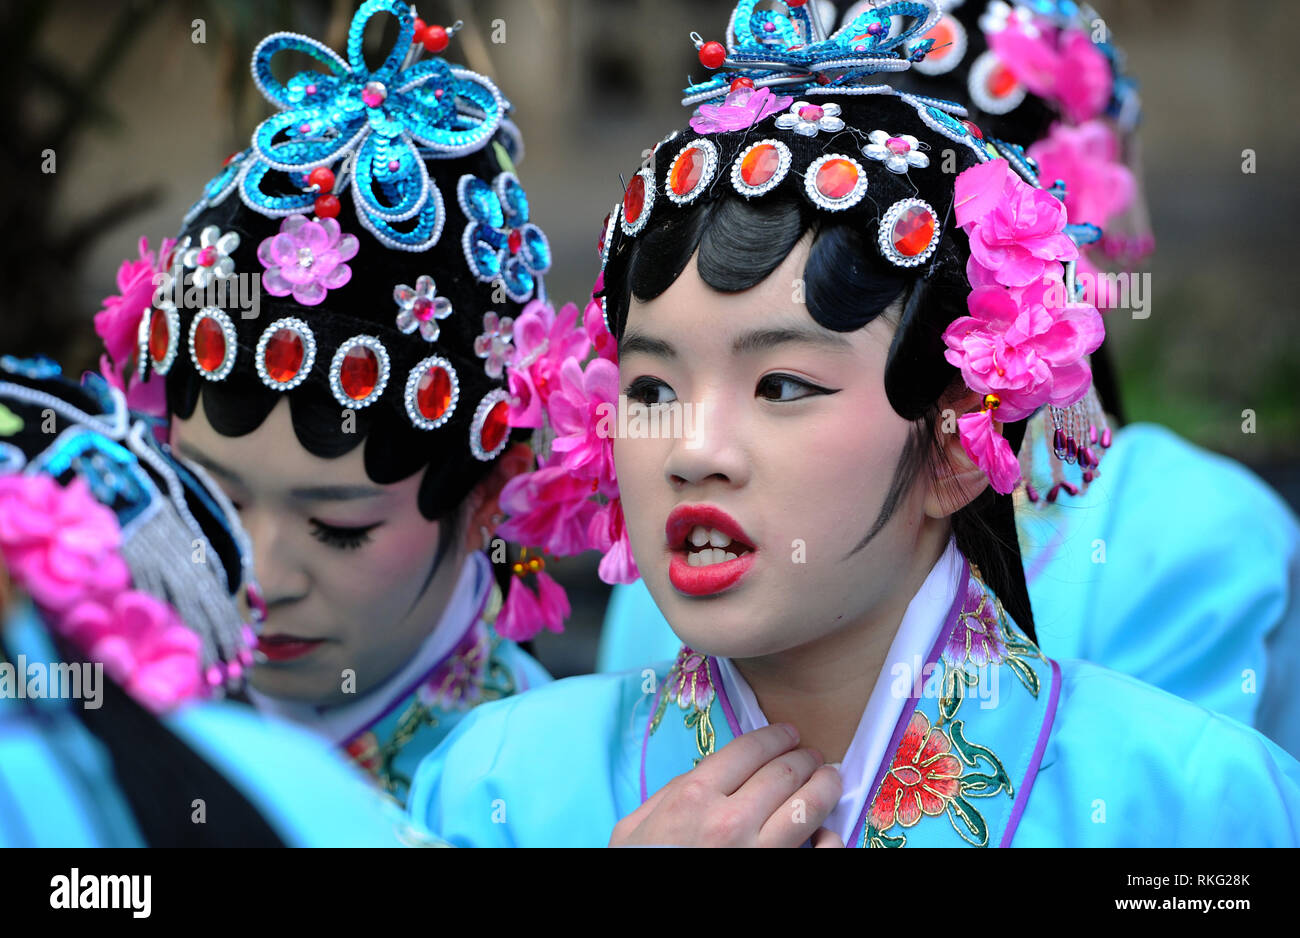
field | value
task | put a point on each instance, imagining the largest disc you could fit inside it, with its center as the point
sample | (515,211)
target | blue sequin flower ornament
(380,124)
(499,241)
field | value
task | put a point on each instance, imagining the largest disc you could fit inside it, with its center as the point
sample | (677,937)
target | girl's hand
(756,791)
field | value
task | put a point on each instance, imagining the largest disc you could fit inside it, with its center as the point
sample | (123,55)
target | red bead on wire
(712,55)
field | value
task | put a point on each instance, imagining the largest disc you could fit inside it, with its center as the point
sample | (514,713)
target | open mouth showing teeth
(707,546)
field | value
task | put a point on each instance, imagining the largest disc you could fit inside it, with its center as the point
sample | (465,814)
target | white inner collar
(916,635)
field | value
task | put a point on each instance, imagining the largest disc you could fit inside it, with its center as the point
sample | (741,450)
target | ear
(958,481)
(484,499)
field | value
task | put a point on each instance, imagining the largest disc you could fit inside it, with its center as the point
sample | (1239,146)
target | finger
(826,838)
(726,770)
(790,825)
(775,783)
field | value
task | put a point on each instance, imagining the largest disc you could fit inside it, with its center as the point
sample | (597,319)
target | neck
(822,687)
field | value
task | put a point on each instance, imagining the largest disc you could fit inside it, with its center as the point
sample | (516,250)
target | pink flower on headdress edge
(1098,186)
(306,259)
(1015,230)
(1062,67)
(740,110)
(608,534)
(543,340)
(118,321)
(523,615)
(1029,352)
(990,450)
(581,410)
(548,508)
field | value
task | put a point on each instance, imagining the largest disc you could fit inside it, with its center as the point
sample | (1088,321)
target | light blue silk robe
(1177,566)
(58,789)
(1066,754)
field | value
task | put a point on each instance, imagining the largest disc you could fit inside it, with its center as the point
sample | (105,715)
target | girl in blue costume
(1102,586)
(109,735)
(836,555)
(358,416)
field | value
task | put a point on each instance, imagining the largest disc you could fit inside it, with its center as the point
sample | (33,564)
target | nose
(275,563)
(713,445)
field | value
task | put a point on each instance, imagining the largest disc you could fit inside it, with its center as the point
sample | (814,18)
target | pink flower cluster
(62,547)
(570,503)
(1061,66)
(1097,185)
(118,322)
(1025,340)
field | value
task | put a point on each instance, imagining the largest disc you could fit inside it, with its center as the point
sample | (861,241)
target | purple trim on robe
(906,716)
(720,688)
(1031,771)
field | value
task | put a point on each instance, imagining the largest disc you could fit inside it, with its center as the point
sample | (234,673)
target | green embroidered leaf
(971,753)
(980,786)
(10,423)
(976,831)
(875,838)
(1027,675)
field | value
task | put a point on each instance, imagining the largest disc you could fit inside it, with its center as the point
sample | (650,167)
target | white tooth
(718,539)
(693,559)
(699,536)
(729,555)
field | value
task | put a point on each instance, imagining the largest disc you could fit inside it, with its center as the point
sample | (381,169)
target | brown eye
(783,388)
(649,391)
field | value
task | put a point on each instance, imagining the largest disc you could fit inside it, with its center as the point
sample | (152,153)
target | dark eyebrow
(638,342)
(759,340)
(322,493)
(336,493)
(214,467)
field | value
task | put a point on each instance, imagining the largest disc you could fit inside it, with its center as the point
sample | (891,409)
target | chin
(721,627)
(295,684)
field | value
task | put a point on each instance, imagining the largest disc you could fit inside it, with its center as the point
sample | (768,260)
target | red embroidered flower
(364,751)
(925,776)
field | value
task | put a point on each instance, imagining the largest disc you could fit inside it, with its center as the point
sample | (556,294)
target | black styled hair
(738,242)
(395,449)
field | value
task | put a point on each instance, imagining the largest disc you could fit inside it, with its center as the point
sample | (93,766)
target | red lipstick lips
(286,647)
(713,578)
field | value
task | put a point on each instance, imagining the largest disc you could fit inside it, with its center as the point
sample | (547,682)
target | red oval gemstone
(284,354)
(433,395)
(1001,81)
(836,178)
(515,241)
(687,171)
(979,134)
(760,164)
(943,35)
(159,336)
(360,372)
(209,344)
(913,231)
(495,426)
(634,199)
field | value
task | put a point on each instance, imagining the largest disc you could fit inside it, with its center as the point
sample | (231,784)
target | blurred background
(133,113)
